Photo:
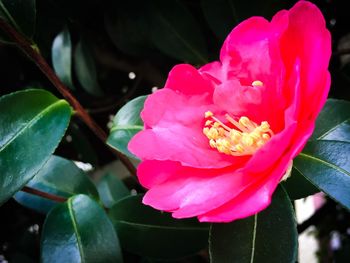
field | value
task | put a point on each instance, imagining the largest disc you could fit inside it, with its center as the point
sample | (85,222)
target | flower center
(244,138)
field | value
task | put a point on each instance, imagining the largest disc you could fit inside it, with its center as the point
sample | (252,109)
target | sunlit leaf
(62,57)
(60,177)
(126,124)
(79,231)
(32,124)
(326,164)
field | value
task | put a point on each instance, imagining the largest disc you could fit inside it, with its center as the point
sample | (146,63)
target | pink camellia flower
(218,140)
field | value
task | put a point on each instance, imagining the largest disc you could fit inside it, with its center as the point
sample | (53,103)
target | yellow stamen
(257,83)
(266,137)
(237,138)
(208,122)
(208,114)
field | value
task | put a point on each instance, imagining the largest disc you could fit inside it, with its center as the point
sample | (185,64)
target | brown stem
(31,51)
(52,197)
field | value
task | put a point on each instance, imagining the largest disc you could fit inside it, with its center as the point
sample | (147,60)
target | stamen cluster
(244,138)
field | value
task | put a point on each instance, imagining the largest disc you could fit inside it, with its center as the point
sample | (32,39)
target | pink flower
(218,140)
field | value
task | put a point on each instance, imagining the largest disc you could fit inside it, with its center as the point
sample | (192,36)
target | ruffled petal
(251,51)
(175,131)
(308,40)
(238,100)
(187,191)
(249,202)
(186,79)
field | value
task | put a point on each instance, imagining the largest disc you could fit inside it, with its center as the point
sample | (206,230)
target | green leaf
(126,124)
(333,124)
(148,232)
(339,133)
(62,57)
(333,121)
(33,123)
(85,69)
(111,189)
(20,14)
(176,32)
(269,236)
(79,231)
(297,186)
(60,177)
(223,15)
(327,165)
(123,19)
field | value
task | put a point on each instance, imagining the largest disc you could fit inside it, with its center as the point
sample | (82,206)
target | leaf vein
(75,226)
(32,121)
(325,163)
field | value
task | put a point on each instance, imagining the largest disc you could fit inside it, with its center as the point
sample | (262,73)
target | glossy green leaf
(79,231)
(85,69)
(339,133)
(297,186)
(111,189)
(126,124)
(32,124)
(62,57)
(60,177)
(327,165)
(269,236)
(176,32)
(333,121)
(20,14)
(223,15)
(123,19)
(145,231)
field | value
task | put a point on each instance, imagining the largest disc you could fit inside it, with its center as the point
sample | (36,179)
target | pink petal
(307,39)
(175,132)
(252,52)
(238,100)
(188,191)
(248,203)
(214,71)
(186,79)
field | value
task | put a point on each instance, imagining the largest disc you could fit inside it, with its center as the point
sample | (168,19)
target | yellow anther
(235,136)
(257,83)
(244,121)
(239,148)
(221,131)
(255,135)
(208,122)
(264,126)
(247,140)
(266,137)
(208,114)
(260,143)
(226,143)
(213,133)
(238,138)
(223,145)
